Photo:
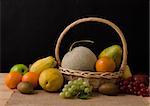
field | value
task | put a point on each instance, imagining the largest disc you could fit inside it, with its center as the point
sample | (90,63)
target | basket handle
(94,19)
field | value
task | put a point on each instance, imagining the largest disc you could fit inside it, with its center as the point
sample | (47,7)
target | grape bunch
(76,88)
(136,85)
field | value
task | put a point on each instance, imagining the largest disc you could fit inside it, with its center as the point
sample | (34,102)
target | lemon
(51,79)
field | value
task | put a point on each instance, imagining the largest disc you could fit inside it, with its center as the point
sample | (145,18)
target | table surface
(5,92)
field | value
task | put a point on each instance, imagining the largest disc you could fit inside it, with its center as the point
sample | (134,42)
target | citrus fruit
(105,64)
(12,79)
(31,77)
(51,79)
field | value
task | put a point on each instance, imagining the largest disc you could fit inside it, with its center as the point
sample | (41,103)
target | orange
(105,64)
(12,79)
(31,77)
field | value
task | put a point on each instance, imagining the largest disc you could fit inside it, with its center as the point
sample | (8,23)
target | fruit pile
(41,73)
(44,73)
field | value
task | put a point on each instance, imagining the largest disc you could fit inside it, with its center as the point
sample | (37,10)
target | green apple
(21,68)
(51,79)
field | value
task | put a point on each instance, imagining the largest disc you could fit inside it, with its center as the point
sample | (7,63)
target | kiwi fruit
(109,89)
(25,87)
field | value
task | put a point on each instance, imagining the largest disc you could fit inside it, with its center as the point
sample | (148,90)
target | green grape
(73,87)
(62,94)
(70,90)
(70,83)
(87,90)
(77,87)
(75,82)
(64,89)
(74,93)
(79,79)
(66,86)
(85,84)
(82,87)
(80,82)
(67,94)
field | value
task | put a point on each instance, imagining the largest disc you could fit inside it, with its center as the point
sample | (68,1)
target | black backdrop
(30,28)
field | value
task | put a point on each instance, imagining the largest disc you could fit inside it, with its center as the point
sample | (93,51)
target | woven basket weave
(94,78)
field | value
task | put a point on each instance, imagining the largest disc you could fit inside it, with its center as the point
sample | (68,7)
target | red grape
(147,90)
(141,78)
(135,88)
(138,93)
(144,95)
(131,91)
(142,90)
(121,88)
(125,82)
(127,91)
(120,83)
(135,85)
(129,86)
(131,83)
(129,79)
(142,85)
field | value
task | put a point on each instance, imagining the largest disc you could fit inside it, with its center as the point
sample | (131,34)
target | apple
(51,79)
(21,68)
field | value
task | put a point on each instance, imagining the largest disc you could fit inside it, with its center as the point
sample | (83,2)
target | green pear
(127,73)
(114,52)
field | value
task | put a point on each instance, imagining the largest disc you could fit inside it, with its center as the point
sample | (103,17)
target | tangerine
(12,79)
(105,64)
(31,77)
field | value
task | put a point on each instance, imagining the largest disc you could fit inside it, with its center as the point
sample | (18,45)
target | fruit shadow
(96,94)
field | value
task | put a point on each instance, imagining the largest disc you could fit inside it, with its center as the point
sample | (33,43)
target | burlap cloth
(42,98)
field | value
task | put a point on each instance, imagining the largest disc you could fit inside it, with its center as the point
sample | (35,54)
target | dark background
(30,28)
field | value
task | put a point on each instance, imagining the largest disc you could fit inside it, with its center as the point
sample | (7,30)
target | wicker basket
(94,78)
